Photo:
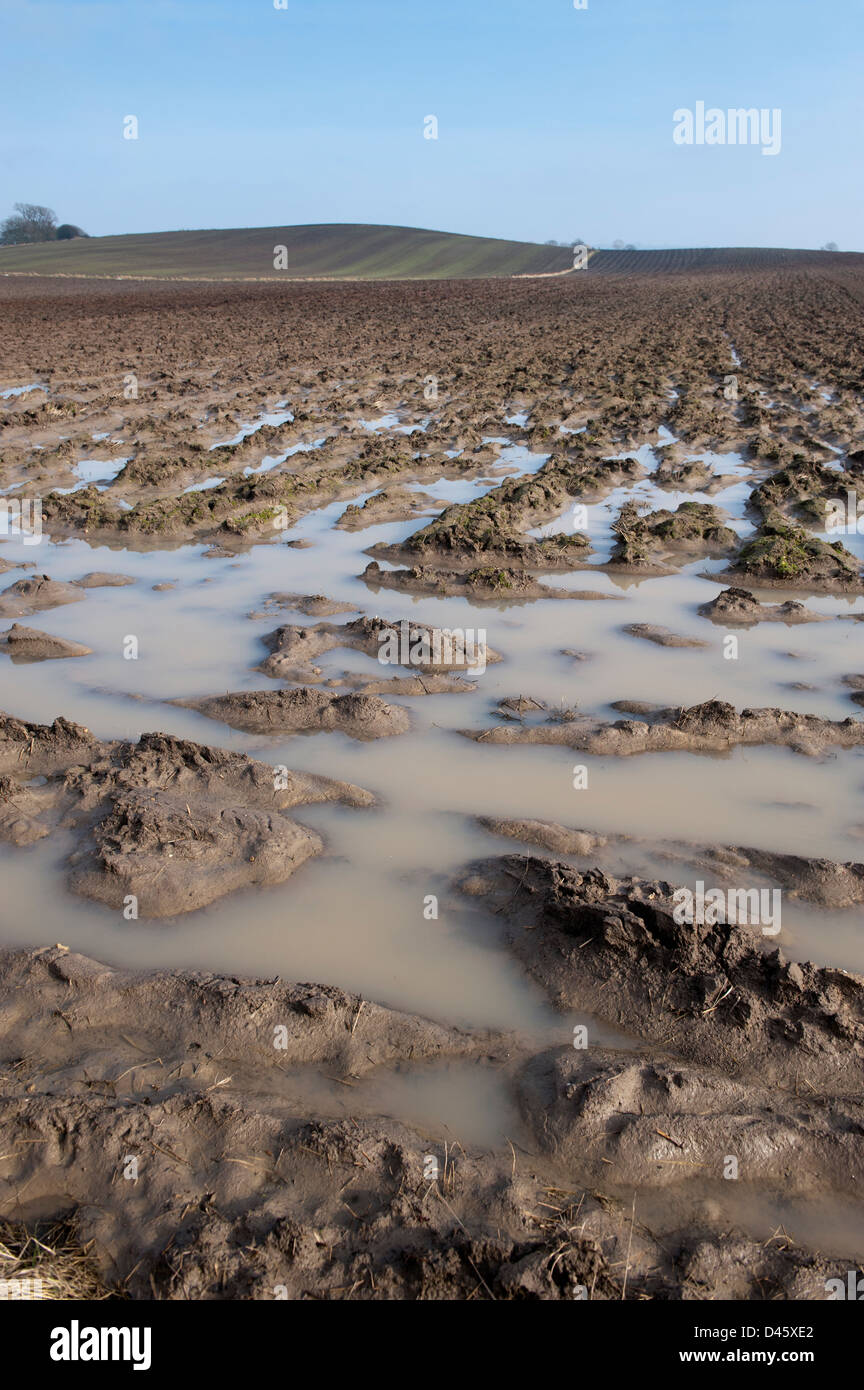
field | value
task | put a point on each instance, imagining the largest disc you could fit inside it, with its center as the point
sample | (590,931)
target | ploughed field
(379,967)
(339,250)
(684,260)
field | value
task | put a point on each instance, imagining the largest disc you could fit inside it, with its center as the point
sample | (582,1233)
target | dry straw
(47,1263)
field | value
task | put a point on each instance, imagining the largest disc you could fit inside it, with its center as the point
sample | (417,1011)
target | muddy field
(430,782)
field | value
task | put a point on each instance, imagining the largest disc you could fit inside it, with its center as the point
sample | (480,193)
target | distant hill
(356,251)
(340,251)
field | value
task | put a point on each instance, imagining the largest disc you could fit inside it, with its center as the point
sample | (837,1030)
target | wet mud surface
(301,663)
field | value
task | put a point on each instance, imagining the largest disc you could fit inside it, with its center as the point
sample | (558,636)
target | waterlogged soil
(334,894)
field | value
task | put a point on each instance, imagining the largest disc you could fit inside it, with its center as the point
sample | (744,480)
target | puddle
(11,391)
(832,1224)
(355,916)
(391,421)
(98,472)
(601,515)
(207,484)
(450,1104)
(268,417)
(269,461)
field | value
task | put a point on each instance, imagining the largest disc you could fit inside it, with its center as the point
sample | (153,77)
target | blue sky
(553,122)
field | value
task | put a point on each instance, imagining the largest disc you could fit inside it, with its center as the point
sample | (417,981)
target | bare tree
(30,222)
(830,246)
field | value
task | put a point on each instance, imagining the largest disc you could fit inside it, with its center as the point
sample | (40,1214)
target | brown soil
(172,824)
(661,636)
(741,608)
(612,948)
(713,727)
(303,711)
(29,644)
(170,1086)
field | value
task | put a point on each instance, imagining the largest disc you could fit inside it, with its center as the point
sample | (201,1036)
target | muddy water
(355,916)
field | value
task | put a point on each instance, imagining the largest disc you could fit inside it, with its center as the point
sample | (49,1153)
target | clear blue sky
(553,122)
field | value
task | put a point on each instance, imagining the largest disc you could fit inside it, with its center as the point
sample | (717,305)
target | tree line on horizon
(30,222)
